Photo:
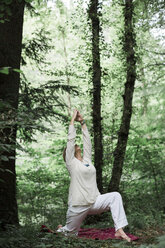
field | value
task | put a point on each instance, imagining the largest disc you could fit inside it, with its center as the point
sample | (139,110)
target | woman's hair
(64,154)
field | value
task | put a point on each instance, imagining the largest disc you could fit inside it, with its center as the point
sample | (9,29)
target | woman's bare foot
(58,227)
(122,234)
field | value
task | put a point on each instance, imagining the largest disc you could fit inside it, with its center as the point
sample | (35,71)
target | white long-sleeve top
(83,189)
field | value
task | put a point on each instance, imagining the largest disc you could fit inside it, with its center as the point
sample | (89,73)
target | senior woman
(84,197)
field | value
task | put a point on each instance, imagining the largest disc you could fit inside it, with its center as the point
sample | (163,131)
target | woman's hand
(79,117)
(73,117)
(76,117)
(74,114)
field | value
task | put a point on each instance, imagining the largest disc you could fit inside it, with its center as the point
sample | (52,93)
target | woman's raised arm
(70,149)
(87,145)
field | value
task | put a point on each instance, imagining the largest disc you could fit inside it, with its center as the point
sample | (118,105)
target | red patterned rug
(102,234)
(94,233)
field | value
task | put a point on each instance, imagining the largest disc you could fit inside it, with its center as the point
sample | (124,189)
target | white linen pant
(105,202)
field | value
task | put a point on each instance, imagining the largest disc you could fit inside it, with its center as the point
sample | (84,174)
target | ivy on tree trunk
(10,56)
(96,91)
(129,44)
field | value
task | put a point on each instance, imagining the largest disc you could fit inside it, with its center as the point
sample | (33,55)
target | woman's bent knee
(117,195)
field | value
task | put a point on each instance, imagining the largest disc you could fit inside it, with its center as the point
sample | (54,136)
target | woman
(84,197)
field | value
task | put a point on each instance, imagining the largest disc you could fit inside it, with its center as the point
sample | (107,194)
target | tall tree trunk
(129,43)
(10,55)
(96,79)
(145,97)
(67,72)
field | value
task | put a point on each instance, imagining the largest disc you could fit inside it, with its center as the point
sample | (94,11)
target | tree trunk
(10,55)
(96,92)
(129,43)
(145,97)
(67,72)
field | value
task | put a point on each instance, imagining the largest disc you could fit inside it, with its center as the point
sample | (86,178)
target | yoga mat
(101,234)
(94,233)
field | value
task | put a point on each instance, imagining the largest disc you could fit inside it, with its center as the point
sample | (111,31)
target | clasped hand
(77,116)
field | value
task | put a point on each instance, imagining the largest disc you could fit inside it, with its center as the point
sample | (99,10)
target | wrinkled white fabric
(105,202)
(84,198)
(83,187)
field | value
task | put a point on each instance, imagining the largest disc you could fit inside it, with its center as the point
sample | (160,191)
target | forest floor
(149,235)
(30,237)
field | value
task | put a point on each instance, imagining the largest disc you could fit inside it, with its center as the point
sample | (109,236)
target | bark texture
(96,91)
(129,44)
(10,55)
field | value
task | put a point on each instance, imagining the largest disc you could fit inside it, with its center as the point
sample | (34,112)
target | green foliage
(28,1)
(160,244)
(6,8)
(7,70)
(4,70)
(36,48)
(29,236)
(59,40)
(38,104)
(42,194)
(161,241)
(56,65)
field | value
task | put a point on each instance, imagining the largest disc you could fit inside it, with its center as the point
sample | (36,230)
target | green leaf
(17,70)
(4,70)
(4,158)
(41,245)
(9,171)
(11,157)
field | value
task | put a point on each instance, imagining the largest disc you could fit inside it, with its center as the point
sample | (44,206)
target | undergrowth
(29,236)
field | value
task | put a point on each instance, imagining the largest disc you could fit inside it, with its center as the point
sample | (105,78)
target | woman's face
(77,151)
(77,148)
